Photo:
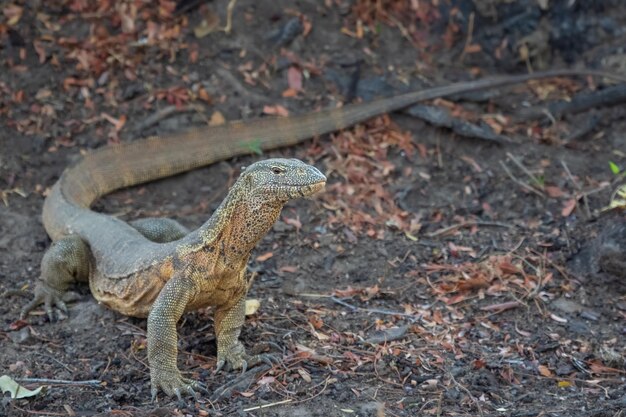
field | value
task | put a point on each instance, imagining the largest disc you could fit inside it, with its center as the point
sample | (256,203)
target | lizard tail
(113,167)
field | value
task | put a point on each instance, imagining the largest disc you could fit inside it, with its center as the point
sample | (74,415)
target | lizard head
(281,180)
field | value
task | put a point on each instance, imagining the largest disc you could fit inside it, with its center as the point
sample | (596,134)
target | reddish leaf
(293,222)
(264,257)
(568,207)
(553,191)
(276,110)
(18,324)
(543,370)
(294,78)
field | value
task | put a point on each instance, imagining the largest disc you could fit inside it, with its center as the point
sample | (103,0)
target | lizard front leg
(162,339)
(66,261)
(228,323)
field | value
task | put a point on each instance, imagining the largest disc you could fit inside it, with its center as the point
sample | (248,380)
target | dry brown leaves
(495,276)
(362,200)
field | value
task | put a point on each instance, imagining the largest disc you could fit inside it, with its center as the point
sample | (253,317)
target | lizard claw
(172,383)
(219,365)
(196,385)
(237,358)
(49,298)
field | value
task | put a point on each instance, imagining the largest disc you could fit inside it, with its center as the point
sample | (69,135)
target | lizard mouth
(306,190)
(316,187)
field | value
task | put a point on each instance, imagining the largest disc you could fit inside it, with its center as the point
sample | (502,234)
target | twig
(227,76)
(499,308)
(580,102)
(470,35)
(229,19)
(388,335)
(60,381)
(245,378)
(403,30)
(52,358)
(520,182)
(523,168)
(38,412)
(258,407)
(166,112)
(448,229)
(373,310)
(474,400)
(319,393)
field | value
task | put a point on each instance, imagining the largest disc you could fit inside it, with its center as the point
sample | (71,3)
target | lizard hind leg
(67,261)
(160,229)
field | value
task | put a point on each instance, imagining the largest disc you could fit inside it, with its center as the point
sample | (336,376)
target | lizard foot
(173,383)
(47,296)
(237,358)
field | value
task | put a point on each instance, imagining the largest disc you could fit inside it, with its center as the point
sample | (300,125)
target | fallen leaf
(276,110)
(290,92)
(507,267)
(208,25)
(7,384)
(217,119)
(264,257)
(252,306)
(557,318)
(348,292)
(543,370)
(288,268)
(13,13)
(553,191)
(204,96)
(568,207)
(598,368)
(266,380)
(293,222)
(117,123)
(316,321)
(294,78)
(18,324)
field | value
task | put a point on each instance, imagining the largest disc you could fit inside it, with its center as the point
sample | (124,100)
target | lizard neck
(238,224)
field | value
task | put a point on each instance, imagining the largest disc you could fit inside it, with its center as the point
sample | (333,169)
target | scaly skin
(154,268)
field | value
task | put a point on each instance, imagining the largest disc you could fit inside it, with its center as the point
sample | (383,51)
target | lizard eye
(277,170)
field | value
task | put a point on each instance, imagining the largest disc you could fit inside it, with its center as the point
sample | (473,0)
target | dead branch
(166,112)
(580,102)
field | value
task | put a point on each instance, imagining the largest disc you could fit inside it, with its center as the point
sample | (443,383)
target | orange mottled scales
(156,268)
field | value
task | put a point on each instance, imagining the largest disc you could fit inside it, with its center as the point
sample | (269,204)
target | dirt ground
(440,274)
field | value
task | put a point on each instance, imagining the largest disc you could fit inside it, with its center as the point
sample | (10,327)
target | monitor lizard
(154,268)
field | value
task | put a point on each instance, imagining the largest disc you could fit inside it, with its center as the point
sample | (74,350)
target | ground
(438,275)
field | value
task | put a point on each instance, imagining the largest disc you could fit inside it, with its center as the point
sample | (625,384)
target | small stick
(372,310)
(520,182)
(474,400)
(470,35)
(448,229)
(229,18)
(258,407)
(523,168)
(499,308)
(166,112)
(60,381)
(227,76)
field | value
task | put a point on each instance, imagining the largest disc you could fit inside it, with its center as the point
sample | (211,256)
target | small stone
(21,337)
(567,306)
